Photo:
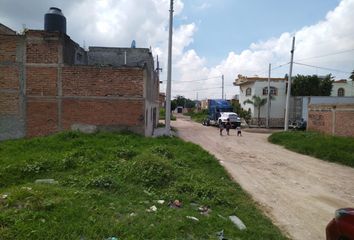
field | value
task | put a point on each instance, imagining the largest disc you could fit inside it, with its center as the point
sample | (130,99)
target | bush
(150,170)
(162,151)
(126,153)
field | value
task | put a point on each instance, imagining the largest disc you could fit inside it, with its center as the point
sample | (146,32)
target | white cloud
(334,34)
(117,22)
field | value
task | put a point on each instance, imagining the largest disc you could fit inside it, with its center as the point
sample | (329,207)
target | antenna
(158,64)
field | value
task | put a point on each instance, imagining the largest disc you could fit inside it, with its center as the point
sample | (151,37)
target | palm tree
(257,102)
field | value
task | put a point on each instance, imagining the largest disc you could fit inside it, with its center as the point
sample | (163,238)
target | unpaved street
(299,193)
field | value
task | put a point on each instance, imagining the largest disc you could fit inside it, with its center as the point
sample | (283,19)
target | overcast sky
(211,37)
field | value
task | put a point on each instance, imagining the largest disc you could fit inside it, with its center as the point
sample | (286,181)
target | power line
(326,55)
(196,80)
(274,68)
(197,90)
(324,68)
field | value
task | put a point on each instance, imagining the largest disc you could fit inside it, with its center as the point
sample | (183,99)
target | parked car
(233,117)
(341,227)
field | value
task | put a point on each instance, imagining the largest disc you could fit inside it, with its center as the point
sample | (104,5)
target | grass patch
(162,115)
(198,116)
(105,182)
(326,147)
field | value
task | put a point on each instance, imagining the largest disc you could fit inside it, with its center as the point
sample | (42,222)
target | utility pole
(268,97)
(286,123)
(169,73)
(222,86)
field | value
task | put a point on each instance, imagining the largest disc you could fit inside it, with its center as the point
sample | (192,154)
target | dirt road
(299,193)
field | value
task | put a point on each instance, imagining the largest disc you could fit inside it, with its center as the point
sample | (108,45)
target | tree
(352,76)
(257,102)
(241,112)
(311,85)
(182,101)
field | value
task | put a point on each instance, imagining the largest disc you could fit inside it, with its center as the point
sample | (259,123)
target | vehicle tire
(208,123)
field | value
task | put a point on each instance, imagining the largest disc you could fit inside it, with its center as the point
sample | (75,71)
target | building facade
(343,88)
(258,86)
(48,83)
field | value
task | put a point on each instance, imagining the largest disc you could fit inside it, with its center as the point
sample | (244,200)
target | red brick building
(48,83)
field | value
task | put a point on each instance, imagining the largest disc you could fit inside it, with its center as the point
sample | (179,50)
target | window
(248,92)
(273,91)
(341,92)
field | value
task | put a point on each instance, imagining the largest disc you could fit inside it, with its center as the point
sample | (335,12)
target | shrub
(150,170)
(103,182)
(126,153)
(162,151)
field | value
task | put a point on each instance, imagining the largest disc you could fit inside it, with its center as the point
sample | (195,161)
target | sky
(211,38)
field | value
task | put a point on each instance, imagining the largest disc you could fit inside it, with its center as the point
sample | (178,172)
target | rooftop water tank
(54,20)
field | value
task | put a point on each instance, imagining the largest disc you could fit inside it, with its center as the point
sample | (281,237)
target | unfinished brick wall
(42,117)
(8,44)
(102,81)
(47,95)
(114,113)
(331,119)
(41,81)
(42,47)
(11,86)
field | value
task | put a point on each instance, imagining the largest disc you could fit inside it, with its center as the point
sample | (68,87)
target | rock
(237,222)
(84,128)
(152,209)
(160,201)
(193,218)
(205,210)
(46,181)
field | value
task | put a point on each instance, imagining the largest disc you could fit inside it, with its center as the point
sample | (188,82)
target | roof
(240,80)
(6,30)
(341,81)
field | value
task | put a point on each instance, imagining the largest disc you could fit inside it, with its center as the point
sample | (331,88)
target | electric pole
(286,123)
(222,86)
(169,71)
(268,97)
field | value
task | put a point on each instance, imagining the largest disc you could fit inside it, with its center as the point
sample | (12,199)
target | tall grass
(106,183)
(329,148)
(198,116)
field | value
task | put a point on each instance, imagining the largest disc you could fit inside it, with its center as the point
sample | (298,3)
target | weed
(150,170)
(329,148)
(103,182)
(126,153)
(162,151)
(108,180)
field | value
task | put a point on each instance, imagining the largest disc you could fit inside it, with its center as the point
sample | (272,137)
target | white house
(343,88)
(258,86)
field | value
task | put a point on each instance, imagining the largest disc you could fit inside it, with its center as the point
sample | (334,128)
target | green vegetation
(105,182)
(311,85)
(329,148)
(198,116)
(245,114)
(182,101)
(162,115)
(258,102)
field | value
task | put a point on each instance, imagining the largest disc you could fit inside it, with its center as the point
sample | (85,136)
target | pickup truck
(218,111)
(233,117)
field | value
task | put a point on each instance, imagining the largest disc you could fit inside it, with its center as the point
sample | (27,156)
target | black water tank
(54,20)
